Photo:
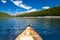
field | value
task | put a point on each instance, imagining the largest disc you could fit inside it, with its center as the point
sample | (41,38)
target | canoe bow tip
(29,25)
(28,32)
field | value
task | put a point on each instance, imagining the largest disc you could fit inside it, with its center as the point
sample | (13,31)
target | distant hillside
(48,12)
(2,14)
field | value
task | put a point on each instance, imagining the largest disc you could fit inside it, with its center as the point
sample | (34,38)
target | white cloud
(20,4)
(31,10)
(18,13)
(3,1)
(25,7)
(46,7)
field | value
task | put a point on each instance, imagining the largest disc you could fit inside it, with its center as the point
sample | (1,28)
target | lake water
(47,28)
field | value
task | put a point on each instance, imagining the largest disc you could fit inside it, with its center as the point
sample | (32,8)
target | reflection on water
(48,29)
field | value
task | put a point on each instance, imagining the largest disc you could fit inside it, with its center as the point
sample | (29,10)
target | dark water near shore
(47,28)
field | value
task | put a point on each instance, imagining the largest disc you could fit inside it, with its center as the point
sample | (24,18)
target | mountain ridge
(47,12)
(3,14)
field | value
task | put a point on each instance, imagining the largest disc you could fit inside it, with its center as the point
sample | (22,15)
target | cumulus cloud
(31,10)
(46,7)
(20,4)
(3,1)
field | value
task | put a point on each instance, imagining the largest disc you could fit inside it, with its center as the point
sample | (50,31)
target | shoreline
(44,17)
(35,17)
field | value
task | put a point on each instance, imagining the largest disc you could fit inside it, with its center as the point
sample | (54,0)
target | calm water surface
(47,28)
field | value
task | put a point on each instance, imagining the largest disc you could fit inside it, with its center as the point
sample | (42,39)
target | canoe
(28,34)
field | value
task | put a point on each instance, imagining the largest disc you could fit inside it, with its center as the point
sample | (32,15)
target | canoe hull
(29,32)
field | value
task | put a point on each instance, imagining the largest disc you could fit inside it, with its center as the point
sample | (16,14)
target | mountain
(47,12)
(2,14)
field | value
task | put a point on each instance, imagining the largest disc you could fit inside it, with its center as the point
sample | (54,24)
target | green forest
(2,14)
(47,12)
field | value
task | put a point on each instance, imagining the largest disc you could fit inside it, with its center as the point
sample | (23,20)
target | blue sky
(21,6)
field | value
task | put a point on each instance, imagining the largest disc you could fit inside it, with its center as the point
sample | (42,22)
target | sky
(23,6)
